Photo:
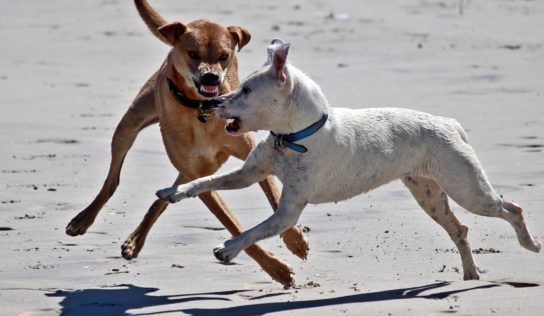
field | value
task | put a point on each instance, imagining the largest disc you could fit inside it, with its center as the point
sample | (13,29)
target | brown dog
(201,65)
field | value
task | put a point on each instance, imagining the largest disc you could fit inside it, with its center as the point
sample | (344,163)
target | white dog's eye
(246,90)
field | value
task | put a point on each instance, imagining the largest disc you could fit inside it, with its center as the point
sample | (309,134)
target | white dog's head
(262,100)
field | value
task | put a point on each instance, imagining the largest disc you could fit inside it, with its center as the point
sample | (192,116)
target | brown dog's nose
(210,78)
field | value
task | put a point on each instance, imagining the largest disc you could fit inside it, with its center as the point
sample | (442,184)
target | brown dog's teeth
(209,89)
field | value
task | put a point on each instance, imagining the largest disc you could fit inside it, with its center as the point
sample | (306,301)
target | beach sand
(69,70)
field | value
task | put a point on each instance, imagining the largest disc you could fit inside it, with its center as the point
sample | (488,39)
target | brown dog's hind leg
(430,196)
(135,241)
(276,268)
(294,238)
(140,114)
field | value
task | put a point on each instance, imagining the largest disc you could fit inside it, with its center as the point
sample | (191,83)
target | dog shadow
(119,299)
(387,295)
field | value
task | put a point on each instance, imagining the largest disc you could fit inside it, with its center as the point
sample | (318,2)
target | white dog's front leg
(236,179)
(177,193)
(285,217)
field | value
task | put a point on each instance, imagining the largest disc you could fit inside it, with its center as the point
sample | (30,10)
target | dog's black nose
(210,78)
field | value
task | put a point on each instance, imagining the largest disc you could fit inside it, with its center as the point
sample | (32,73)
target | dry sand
(69,69)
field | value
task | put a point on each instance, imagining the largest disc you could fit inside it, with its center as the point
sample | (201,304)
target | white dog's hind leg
(515,217)
(430,196)
(463,179)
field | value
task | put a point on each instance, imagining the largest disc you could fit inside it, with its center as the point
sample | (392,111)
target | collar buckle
(278,141)
(202,117)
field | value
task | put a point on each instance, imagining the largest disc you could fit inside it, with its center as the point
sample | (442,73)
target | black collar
(199,105)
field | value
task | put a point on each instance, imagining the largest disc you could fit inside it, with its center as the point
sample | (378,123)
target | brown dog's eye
(246,90)
(224,57)
(194,55)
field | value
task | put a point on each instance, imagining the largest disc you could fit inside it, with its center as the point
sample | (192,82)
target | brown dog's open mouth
(233,126)
(209,91)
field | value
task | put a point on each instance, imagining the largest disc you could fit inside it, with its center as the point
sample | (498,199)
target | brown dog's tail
(152,18)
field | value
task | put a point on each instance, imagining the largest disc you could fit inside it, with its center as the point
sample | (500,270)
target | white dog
(323,154)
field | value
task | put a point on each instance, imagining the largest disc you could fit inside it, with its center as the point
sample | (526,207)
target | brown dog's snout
(210,78)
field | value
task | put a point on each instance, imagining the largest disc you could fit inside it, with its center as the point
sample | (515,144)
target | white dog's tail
(460,130)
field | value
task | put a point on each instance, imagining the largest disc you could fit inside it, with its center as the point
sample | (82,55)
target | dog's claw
(164,194)
(471,276)
(172,194)
(78,225)
(131,247)
(279,270)
(221,254)
(530,243)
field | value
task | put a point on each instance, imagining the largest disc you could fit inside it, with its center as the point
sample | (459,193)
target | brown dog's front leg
(276,268)
(140,114)
(294,238)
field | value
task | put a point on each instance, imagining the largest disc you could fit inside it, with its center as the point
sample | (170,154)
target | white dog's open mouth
(233,125)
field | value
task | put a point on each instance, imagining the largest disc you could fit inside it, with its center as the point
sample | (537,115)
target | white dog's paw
(171,194)
(224,253)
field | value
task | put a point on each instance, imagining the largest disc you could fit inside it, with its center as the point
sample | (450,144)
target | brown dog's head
(203,53)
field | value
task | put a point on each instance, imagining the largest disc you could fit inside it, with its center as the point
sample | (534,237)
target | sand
(69,69)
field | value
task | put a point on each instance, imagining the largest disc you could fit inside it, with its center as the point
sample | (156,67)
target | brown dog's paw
(296,242)
(78,225)
(275,267)
(131,247)
(280,272)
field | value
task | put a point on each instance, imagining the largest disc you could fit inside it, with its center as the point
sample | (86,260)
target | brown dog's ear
(240,35)
(172,31)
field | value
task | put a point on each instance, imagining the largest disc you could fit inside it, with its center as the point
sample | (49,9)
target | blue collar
(287,140)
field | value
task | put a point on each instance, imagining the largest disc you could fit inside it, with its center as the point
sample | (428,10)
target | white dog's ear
(277,52)
(271,48)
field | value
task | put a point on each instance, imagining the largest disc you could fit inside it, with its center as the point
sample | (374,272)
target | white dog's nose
(217,103)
